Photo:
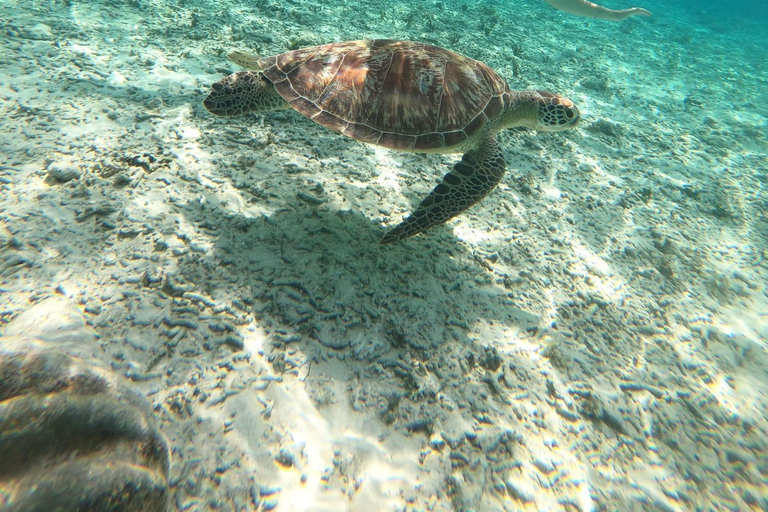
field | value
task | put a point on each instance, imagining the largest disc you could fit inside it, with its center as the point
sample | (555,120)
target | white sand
(592,336)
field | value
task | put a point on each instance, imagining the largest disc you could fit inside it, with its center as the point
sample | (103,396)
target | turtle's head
(242,92)
(555,113)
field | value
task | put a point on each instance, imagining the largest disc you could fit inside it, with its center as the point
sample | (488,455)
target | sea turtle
(402,95)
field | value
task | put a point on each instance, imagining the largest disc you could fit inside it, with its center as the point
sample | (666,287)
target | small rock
(744,278)
(596,83)
(285,458)
(302,40)
(614,420)
(436,441)
(606,127)
(545,466)
(520,491)
(121,180)
(63,172)
(454,440)
(38,31)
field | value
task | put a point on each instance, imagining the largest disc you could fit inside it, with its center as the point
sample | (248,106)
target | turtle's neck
(523,110)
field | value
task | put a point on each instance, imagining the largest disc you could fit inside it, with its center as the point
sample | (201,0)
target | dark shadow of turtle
(319,275)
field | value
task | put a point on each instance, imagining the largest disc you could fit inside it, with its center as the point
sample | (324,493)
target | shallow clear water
(590,336)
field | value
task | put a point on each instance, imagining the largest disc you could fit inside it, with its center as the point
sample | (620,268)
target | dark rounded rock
(73,437)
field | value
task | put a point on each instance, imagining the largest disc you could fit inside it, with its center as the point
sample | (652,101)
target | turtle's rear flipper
(243,92)
(479,171)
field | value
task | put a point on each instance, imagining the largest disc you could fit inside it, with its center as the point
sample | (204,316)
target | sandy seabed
(592,336)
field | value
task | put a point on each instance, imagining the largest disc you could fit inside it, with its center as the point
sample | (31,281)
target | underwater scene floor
(593,335)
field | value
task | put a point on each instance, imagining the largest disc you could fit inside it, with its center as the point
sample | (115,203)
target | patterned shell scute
(398,94)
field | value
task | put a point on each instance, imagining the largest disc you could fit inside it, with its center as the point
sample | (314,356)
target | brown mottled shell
(397,94)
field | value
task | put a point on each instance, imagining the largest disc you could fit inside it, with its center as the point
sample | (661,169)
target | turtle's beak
(557,113)
(232,95)
(219,100)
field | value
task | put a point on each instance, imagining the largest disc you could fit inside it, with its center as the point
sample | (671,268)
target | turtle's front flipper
(479,171)
(243,92)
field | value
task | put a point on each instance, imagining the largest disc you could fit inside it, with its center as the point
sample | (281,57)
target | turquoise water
(590,336)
